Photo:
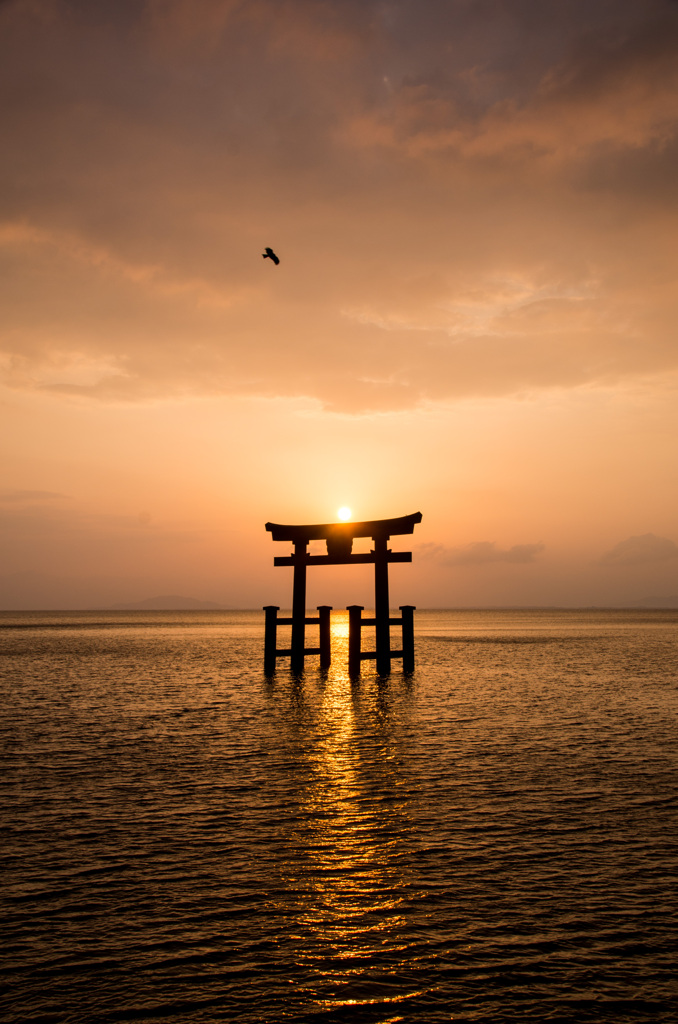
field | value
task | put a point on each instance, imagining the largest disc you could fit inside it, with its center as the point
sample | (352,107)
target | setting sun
(344,513)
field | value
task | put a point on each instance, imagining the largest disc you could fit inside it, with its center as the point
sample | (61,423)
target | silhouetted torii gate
(339,538)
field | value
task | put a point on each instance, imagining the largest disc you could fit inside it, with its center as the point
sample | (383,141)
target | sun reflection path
(347,867)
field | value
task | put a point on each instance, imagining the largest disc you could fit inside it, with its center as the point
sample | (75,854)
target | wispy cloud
(480,553)
(640,550)
(30,497)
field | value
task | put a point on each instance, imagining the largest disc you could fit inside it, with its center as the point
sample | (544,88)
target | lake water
(492,838)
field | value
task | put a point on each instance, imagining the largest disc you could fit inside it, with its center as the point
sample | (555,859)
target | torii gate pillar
(339,538)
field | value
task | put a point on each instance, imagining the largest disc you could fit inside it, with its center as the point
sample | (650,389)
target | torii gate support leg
(299,608)
(408,636)
(325,635)
(381,606)
(355,612)
(270,638)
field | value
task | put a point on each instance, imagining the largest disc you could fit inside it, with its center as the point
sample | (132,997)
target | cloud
(480,553)
(613,88)
(640,550)
(30,497)
(37,528)
(468,199)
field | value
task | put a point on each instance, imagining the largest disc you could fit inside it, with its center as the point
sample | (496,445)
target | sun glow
(344,513)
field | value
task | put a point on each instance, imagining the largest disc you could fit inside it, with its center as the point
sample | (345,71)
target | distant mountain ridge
(167,603)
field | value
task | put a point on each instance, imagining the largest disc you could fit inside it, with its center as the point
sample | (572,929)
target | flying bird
(270,255)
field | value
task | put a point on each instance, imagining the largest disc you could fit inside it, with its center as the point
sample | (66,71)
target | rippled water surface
(490,839)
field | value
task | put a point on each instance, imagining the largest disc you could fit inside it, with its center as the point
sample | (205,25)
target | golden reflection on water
(346,865)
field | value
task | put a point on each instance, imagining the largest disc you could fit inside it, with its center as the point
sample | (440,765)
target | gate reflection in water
(348,875)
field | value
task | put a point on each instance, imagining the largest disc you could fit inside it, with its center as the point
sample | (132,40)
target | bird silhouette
(270,255)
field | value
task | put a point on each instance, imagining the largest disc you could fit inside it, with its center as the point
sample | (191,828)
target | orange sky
(474,203)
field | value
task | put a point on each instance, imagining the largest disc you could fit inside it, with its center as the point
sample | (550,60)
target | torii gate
(339,538)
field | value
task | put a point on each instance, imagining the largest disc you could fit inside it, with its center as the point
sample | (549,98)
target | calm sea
(490,839)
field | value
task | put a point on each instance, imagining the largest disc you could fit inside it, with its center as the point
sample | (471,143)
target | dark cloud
(640,550)
(469,198)
(480,553)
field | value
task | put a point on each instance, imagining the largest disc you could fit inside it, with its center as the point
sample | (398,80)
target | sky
(475,207)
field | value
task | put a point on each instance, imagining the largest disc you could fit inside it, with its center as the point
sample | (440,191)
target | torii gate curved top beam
(325,531)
